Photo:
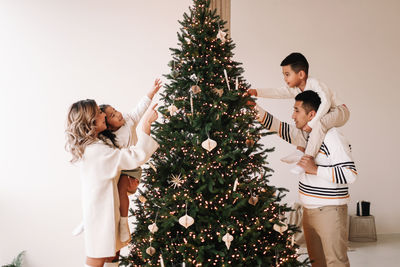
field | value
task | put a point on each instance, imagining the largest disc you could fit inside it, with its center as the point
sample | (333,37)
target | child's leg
(133,185)
(336,117)
(315,140)
(123,184)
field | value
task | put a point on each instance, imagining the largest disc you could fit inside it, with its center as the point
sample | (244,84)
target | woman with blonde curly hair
(100,165)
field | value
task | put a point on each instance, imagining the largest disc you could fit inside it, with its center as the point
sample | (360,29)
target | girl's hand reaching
(149,117)
(157,85)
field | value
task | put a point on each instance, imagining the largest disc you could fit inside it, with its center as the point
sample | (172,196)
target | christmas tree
(207,201)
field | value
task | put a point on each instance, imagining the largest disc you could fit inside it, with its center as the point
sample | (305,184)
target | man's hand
(157,85)
(251,104)
(308,164)
(252,92)
(307,128)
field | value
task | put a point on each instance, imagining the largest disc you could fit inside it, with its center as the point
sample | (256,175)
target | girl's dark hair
(107,133)
(297,62)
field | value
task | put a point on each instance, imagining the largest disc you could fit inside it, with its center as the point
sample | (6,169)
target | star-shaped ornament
(176,181)
(221,35)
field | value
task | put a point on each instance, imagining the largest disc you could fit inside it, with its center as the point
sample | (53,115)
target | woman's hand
(157,85)
(149,117)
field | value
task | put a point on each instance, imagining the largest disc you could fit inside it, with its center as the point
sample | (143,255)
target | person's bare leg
(123,185)
(95,262)
(133,185)
(113,261)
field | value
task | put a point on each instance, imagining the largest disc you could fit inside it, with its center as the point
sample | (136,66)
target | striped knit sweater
(336,168)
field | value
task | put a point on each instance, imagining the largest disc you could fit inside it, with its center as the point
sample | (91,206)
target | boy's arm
(287,132)
(342,169)
(278,93)
(325,95)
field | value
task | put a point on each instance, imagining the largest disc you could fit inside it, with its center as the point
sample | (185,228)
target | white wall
(352,46)
(53,53)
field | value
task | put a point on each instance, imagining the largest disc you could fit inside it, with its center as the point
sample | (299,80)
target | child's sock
(297,170)
(87,265)
(111,264)
(124,233)
(293,157)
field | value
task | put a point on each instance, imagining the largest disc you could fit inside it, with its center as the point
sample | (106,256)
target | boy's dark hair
(107,133)
(311,100)
(297,62)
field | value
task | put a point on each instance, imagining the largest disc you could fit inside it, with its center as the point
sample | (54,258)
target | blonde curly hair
(80,130)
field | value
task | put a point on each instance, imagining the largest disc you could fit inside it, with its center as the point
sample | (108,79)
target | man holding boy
(323,188)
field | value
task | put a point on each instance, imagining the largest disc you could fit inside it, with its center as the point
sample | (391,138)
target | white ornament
(227,80)
(162,261)
(195,89)
(191,103)
(176,181)
(172,109)
(235,184)
(280,228)
(221,35)
(209,144)
(219,92)
(186,221)
(193,77)
(227,238)
(153,228)
(150,250)
(237,83)
(152,166)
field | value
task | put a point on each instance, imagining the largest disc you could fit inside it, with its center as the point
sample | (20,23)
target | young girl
(123,134)
(100,165)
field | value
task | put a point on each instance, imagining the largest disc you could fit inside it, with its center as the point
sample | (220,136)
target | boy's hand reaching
(252,92)
(157,85)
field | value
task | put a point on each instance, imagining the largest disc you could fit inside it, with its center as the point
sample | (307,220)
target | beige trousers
(325,231)
(336,117)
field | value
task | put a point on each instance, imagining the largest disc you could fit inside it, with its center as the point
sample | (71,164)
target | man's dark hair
(311,100)
(297,62)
